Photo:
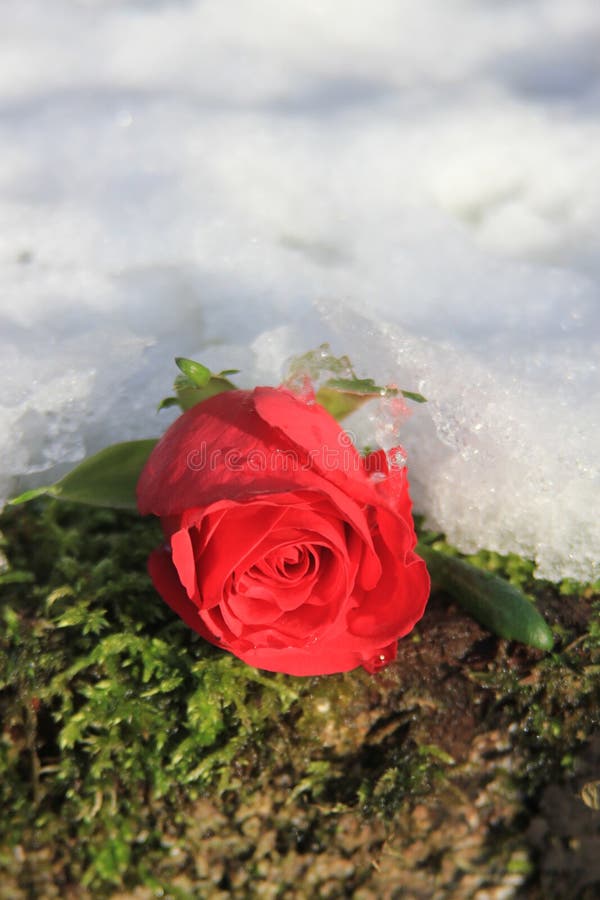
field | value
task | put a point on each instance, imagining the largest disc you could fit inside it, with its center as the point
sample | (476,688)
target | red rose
(283,544)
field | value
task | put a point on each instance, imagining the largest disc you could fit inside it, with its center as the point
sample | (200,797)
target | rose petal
(392,485)
(249,532)
(234,445)
(382,658)
(220,448)
(395,605)
(166,581)
(214,621)
(246,609)
(329,448)
(270,585)
(237,538)
(324,658)
(184,562)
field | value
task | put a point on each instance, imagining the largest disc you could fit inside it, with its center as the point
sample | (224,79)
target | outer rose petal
(329,448)
(184,562)
(325,660)
(223,448)
(392,483)
(166,581)
(382,658)
(219,449)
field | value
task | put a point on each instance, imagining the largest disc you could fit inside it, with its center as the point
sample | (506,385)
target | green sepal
(167,402)
(198,374)
(342,396)
(340,404)
(108,478)
(197,383)
(188,395)
(493,602)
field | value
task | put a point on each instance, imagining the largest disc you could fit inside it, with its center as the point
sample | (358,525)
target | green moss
(114,712)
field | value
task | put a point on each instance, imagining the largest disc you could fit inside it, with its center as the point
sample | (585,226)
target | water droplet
(396,458)
(388,417)
(385,656)
(302,386)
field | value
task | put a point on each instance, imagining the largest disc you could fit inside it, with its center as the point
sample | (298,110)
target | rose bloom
(283,544)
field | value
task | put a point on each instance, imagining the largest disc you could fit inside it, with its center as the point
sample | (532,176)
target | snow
(417,183)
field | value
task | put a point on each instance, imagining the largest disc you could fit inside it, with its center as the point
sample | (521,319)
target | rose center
(296,586)
(288,564)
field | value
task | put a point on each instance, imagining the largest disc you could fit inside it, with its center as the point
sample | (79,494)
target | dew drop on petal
(382,658)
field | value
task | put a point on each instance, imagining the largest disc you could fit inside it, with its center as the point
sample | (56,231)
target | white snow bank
(417,183)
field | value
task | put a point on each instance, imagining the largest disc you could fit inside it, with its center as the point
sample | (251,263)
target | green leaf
(29,495)
(109,477)
(412,395)
(358,386)
(368,387)
(106,479)
(496,604)
(342,396)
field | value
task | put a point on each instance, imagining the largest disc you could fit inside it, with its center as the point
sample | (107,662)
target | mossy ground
(137,761)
